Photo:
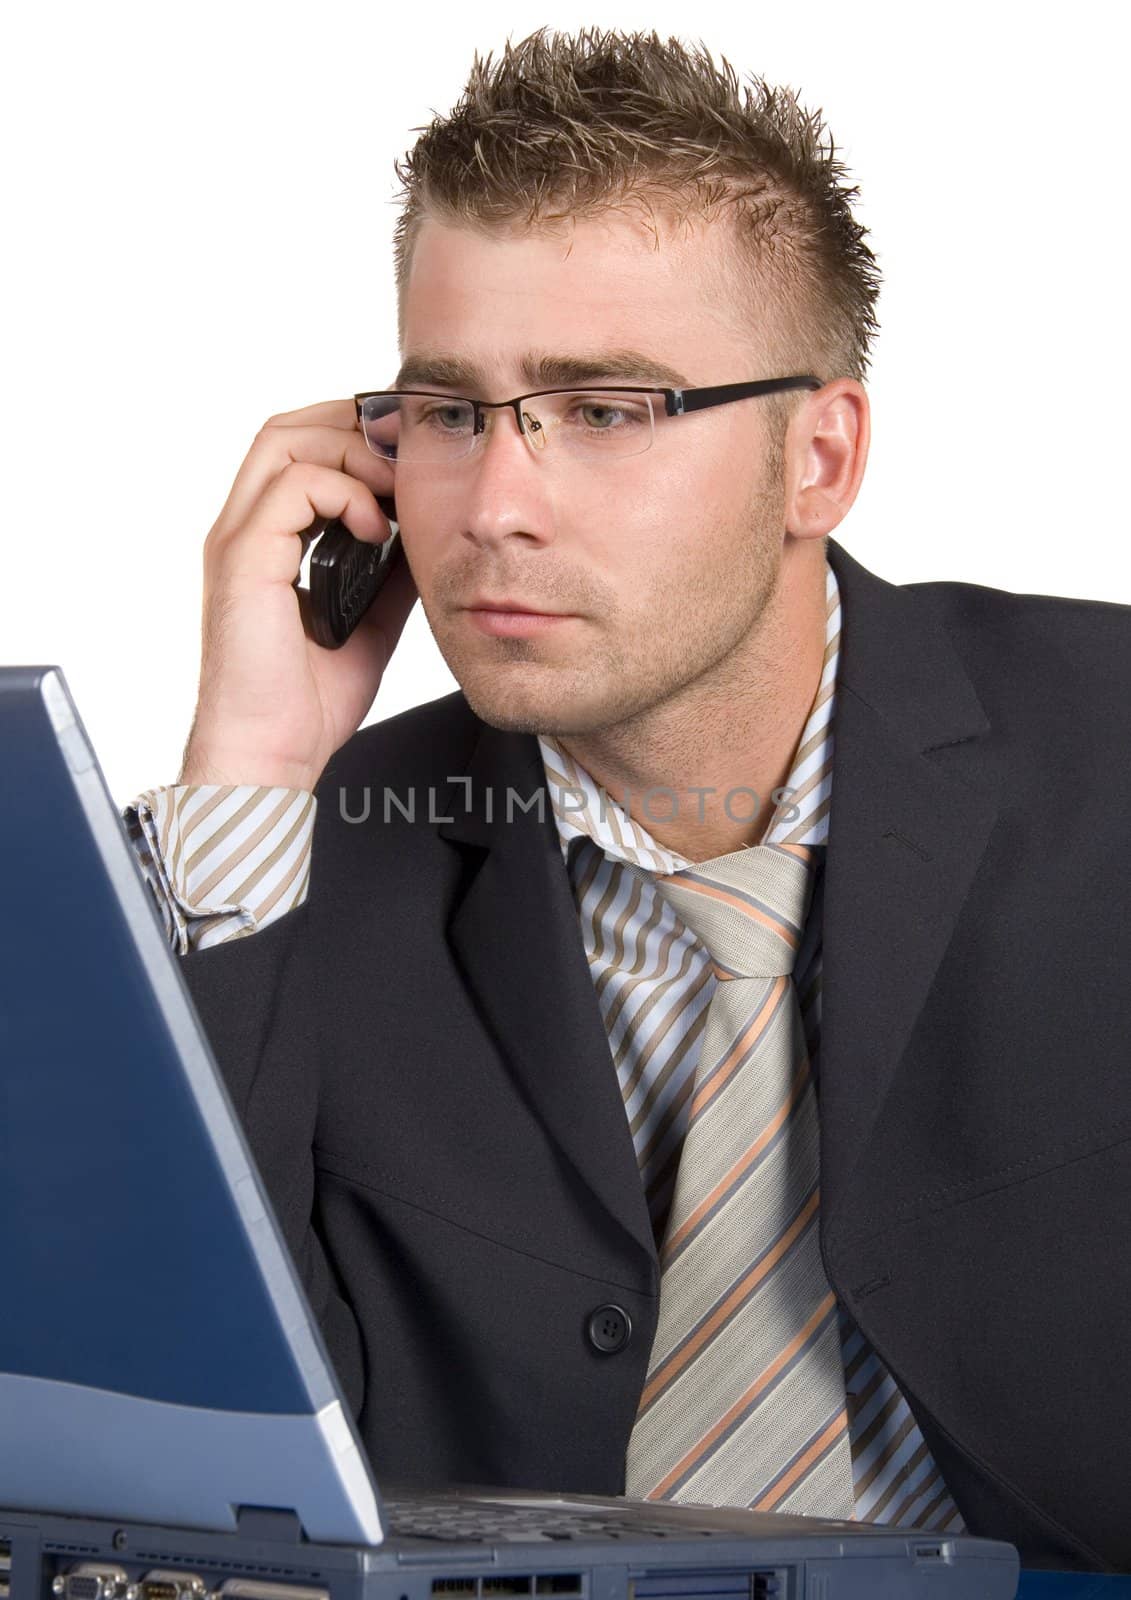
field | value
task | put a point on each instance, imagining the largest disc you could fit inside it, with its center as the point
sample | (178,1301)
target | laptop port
(162,1585)
(257,1589)
(565,1584)
(930,1552)
(5,1569)
(94,1580)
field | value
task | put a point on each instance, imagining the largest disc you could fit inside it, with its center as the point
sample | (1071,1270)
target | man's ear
(826,448)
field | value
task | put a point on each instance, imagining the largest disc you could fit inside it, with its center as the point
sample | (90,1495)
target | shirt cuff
(223,860)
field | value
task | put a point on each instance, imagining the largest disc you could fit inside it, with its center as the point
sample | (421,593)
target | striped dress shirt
(224,861)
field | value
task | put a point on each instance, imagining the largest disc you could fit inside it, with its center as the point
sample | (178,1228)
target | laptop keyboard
(472,1522)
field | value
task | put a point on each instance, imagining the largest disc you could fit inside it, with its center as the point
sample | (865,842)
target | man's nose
(509,490)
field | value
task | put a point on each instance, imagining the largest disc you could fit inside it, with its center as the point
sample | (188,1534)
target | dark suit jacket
(421,1067)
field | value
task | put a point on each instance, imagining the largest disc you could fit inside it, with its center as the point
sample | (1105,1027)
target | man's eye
(601,416)
(598,415)
(448,417)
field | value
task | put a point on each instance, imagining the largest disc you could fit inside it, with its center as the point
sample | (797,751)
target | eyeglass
(412,426)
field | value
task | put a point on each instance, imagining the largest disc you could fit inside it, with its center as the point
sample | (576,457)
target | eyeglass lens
(418,428)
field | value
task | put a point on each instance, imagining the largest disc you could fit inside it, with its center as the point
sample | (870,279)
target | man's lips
(513,605)
(514,620)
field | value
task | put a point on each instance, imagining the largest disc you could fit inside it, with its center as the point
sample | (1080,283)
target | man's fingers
(268,546)
(276,445)
(331,413)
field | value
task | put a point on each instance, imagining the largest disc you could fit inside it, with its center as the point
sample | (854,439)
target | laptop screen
(146,1282)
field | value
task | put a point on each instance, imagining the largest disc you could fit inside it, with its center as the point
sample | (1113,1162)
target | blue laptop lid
(147,1286)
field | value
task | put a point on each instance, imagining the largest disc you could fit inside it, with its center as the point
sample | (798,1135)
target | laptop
(171,1427)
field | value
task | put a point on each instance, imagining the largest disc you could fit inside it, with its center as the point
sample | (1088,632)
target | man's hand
(272,705)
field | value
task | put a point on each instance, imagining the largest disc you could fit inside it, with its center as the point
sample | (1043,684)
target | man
(531,1045)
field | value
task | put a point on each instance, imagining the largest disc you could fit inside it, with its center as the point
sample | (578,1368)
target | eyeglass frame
(677,402)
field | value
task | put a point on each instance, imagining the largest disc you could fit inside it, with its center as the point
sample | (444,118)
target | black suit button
(610,1328)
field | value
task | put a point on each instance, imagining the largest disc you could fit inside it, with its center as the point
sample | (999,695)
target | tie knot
(748,907)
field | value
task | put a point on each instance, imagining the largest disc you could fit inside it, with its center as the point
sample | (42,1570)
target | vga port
(94,1580)
(256,1589)
(168,1585)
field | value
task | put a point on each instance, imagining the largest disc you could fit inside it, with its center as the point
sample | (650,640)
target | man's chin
(510,718)
(523,713)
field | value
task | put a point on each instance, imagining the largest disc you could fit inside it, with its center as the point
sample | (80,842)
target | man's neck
(686,768)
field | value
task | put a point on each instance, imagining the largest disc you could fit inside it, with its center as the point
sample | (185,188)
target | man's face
(665,560)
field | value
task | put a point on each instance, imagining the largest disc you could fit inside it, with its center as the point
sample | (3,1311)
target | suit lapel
(516,936)
(912,808)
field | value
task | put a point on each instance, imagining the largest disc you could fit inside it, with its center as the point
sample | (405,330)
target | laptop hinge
(268,1522)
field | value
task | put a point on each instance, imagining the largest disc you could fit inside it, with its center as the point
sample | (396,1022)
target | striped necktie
(744,1401)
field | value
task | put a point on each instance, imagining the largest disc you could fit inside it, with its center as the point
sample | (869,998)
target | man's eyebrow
(426,369)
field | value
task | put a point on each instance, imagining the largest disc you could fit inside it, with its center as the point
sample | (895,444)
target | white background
(198,218)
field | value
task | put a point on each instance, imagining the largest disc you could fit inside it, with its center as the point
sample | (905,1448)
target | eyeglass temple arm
(677,401)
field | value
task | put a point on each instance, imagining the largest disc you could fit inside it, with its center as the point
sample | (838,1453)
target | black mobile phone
(346,574)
